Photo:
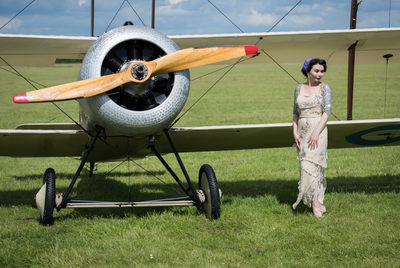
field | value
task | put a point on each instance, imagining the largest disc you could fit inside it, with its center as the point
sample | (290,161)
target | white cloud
(170,10)
(82,2)
(175,2)
(373,19)
(258,19)
(304,20)
(12,25)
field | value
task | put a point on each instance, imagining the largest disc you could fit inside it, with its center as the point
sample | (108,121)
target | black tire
(46,218)
(209,185)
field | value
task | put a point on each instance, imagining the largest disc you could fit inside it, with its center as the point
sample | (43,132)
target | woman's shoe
(317,209)
(323,208)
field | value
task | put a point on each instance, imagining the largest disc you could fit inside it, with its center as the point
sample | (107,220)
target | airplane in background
(134,82)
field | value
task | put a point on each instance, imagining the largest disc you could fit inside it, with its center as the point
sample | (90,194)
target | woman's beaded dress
(312,182)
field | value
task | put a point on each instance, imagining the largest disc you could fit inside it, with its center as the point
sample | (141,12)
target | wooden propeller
(137,72)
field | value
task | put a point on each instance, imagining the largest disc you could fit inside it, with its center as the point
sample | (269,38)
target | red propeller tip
(20,98)
(250,50)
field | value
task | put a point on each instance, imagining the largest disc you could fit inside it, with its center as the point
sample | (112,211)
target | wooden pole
(153,14)
(92,19)
(351,60)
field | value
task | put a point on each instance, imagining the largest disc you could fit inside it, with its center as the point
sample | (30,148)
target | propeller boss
(139,71)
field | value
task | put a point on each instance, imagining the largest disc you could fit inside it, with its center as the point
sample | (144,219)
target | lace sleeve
(296,94)
(327,99)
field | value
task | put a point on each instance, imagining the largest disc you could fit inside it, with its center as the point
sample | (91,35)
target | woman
(312,108)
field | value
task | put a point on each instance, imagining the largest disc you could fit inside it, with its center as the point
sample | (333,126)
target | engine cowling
(132,109)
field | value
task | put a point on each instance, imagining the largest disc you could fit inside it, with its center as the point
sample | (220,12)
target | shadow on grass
(86,172)
(104,187)
(286,190)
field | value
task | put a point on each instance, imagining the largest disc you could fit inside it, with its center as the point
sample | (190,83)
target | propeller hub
(139,71)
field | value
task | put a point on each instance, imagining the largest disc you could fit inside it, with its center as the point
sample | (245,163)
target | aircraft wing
(67,140)
(43,140)
(331,45)
(341,134)
(51,140)
(41,50)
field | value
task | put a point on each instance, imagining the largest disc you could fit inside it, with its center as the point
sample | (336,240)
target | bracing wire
(240,60)
(5,24)
(220,11)
(270,29)
(116,13)
(129,3)
(36,88)
(284,16)
(114,168)
(227,66)
(129,159)
(202,96)
(14,73)
(154,175)
(280,66)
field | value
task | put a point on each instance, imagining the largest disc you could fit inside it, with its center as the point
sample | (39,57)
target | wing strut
(190,191)
(78,172)
(352,55)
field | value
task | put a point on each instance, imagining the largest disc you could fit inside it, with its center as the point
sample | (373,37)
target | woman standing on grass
(312,108)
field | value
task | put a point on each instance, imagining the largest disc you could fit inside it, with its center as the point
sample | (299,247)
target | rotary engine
(132,109)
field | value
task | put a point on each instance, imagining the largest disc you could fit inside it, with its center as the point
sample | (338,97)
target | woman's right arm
(296,135)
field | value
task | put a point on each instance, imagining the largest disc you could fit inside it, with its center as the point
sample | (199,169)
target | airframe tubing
(192,192)
(131,204)
(78,172)
(173,174)
(168,202)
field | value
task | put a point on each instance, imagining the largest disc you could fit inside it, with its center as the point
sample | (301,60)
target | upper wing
(342,134)
(36,50)
(42,50)
(331,45)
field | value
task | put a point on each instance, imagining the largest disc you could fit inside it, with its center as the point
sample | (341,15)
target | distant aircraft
(134,82)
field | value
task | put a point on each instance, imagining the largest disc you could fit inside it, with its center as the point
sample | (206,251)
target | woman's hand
(297,140)
(313,140)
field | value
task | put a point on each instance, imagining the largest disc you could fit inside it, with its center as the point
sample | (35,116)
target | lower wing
(51,140)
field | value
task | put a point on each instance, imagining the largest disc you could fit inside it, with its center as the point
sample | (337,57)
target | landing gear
(91,168)
(45,198)
(209,186)
(206,199)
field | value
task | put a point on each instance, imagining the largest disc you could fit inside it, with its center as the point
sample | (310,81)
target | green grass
(257,227)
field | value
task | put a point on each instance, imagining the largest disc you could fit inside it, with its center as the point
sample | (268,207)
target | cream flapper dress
(312,182)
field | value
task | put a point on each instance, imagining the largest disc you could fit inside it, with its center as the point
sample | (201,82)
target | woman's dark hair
(311,64)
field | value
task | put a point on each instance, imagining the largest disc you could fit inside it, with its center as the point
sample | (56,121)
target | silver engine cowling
(132,109)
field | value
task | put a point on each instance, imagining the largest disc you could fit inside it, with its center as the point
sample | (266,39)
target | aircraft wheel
(46,197)
(209,185)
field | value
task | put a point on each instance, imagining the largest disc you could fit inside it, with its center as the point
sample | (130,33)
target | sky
(185,17)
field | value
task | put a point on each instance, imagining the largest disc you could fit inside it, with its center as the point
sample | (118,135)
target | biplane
(133,83)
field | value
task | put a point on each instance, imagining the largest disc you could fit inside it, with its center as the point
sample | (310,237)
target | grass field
(257,227)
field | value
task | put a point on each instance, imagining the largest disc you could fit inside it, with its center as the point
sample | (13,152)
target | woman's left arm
(313,140)
(327,111)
